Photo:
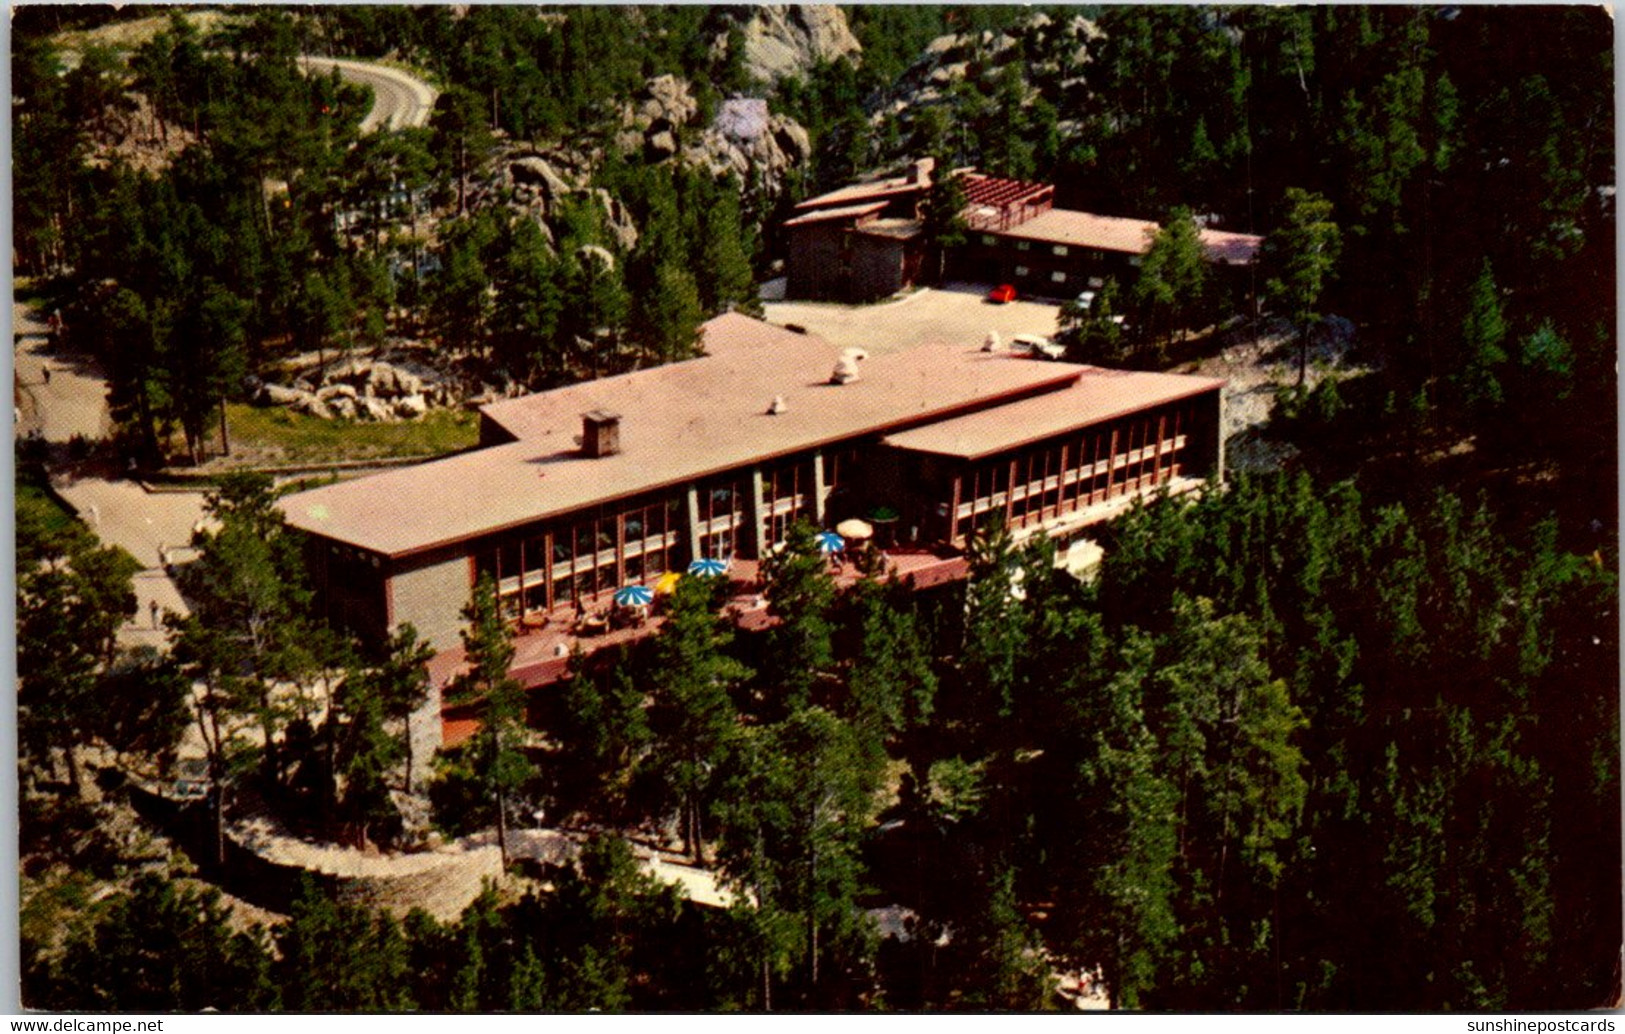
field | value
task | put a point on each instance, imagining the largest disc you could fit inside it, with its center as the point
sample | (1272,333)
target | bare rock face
(1040,47)
(666,99)
(785,40)
(594,253)
(534,170)
(315,407)
(619,220)
(372,409)
(282,395)
(747,140)
(410,407)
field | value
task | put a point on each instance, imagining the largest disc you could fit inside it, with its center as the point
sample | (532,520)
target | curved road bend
(399,100)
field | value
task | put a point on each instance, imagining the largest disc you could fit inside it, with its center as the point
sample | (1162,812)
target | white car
(1036,346)
(1086,300)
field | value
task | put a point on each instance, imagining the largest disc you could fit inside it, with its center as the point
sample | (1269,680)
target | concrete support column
(819,490)
(756,540)
(693,498)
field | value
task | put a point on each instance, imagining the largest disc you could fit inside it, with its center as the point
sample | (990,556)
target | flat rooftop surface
(844,212)
(1133,236)
(1098,395)
(884,188)
(958,313)
(678,422)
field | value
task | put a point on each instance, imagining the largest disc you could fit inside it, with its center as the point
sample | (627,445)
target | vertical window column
(818,487)
(755,543)
(692,501)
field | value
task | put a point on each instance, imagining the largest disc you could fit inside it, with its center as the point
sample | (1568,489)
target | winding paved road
(399,100)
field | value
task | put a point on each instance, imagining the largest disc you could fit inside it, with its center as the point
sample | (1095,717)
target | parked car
(191,780)
(1002,293)
(1036,346)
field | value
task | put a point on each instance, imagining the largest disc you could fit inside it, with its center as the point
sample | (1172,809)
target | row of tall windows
(724,508)
(634,543)
(1064,475)
(577,561)
(787,494)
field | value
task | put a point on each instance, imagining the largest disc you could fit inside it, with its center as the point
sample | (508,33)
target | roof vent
(777,406)
(992,344)
(600,434)
(846,370)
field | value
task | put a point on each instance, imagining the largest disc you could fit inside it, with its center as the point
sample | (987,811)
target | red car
(1002,293)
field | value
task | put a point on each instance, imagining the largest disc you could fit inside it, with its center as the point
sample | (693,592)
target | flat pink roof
(678,422)
(1098,395)
(1134,236)
(845,212)
(1086,230)
(1238,249)
(860,191)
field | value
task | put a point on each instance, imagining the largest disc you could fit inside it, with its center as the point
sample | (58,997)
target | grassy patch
(42,504)
(274,435)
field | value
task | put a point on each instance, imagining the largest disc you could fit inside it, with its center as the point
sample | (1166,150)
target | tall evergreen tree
(499,761)
(800,594)
(1301,257)
(692,714)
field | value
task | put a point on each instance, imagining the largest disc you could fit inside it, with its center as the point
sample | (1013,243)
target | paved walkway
(73,402)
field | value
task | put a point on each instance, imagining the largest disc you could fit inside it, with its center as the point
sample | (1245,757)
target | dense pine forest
(1341,736)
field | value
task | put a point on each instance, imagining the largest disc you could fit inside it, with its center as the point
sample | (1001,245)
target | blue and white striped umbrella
(710,567)
(830,542)
(634,595)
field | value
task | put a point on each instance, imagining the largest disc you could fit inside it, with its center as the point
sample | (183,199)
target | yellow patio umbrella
(667,583)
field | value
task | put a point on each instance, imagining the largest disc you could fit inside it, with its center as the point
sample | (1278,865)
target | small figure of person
(152,606)
(46,373)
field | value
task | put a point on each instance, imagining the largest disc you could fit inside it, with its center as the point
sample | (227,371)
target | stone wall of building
(431,593)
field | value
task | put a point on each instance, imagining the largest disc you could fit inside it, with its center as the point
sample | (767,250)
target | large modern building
(866,241)
(576,492)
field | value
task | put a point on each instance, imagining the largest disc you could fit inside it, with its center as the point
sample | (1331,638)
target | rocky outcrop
(783,40)
(1051,56)
(748,141)
(536,171)
(356,388)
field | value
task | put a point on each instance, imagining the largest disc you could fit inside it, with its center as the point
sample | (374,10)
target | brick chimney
(600,434)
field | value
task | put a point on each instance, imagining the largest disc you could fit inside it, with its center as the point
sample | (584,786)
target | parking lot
(957,313)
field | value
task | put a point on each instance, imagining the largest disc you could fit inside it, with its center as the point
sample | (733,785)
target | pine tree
(1172,288)
(692,714)
(1483,351)
(500,762)
(800,594)
(1301,258)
